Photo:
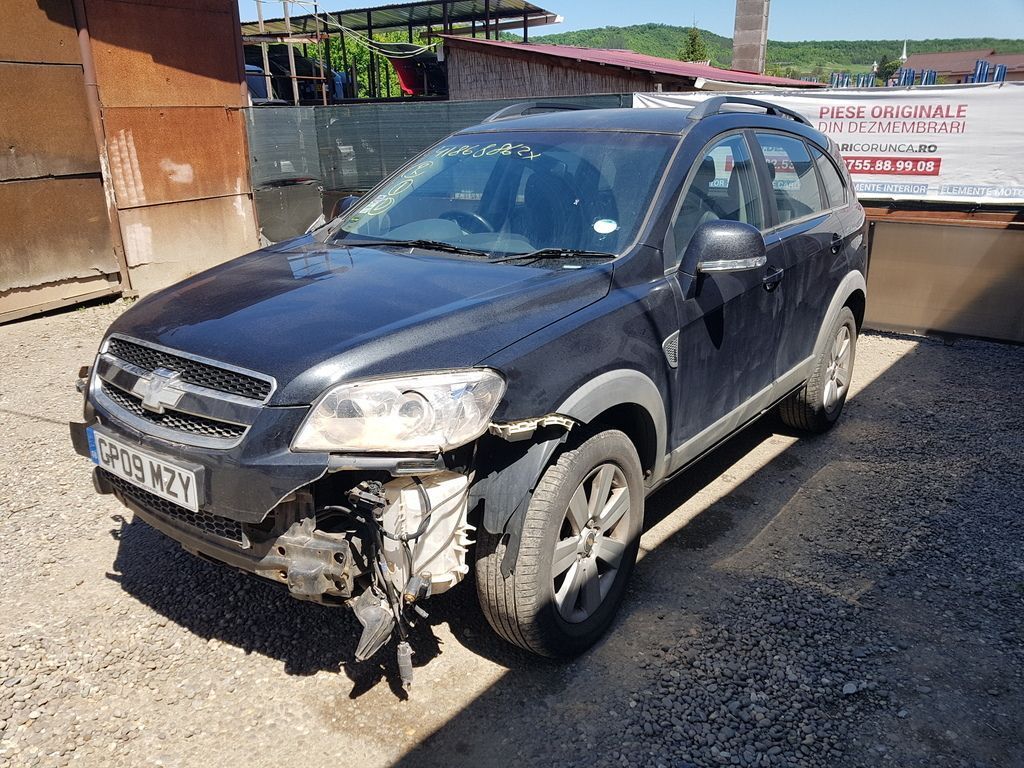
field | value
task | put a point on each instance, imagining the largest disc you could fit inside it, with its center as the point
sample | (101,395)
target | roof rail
(713,106)
(520,109)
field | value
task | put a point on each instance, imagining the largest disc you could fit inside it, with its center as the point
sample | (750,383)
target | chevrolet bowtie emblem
(159,390)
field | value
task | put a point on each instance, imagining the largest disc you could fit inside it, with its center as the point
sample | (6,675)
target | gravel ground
(849,600)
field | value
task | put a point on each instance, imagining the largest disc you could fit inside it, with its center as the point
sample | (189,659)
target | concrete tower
(750,35)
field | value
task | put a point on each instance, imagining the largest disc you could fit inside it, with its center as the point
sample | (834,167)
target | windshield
(519,192)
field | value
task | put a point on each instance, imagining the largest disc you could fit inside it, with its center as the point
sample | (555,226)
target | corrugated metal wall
(171,89)
(55,237)
(134,179)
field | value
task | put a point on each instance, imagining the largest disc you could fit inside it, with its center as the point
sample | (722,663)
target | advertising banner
(955,143)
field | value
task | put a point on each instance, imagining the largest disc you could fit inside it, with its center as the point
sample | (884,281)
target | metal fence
(349,148)
(361,144)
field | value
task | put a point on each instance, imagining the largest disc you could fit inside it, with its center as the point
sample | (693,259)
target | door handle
(771,280)
(837,242)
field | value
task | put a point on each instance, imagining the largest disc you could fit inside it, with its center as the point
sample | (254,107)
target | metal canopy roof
(418,14)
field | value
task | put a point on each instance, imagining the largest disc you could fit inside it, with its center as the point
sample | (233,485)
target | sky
(788,20)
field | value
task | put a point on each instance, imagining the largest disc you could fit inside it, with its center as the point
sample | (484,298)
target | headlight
(425,412)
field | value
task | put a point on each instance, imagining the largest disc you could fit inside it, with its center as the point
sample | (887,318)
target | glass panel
(723,187)
(835,189)
(793,176)
(518,192)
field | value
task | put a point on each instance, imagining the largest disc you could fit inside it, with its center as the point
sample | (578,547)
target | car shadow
(215,601)
(735,547)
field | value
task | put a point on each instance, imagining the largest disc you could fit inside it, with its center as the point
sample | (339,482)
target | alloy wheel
(837,375)
(592,540)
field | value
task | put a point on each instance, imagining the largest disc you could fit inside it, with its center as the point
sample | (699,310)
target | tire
(817,405)
(526,608)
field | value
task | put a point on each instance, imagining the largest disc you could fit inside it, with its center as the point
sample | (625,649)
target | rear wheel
(578,546)
(817,405)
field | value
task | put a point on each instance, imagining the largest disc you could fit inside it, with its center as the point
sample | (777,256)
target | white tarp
(958,143)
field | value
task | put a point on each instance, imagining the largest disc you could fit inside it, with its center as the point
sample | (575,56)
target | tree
(887,69)
(695,48)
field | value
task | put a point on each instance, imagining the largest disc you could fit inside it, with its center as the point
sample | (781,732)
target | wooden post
(291,53)
(263,48)
(371,68)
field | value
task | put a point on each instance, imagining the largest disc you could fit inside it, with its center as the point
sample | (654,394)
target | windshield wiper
(541,253)
(431,245)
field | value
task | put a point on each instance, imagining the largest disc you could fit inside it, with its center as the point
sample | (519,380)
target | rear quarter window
(835,187)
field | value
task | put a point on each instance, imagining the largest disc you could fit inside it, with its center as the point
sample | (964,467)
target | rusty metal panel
(44,122)
(170,154)
(179,52)
(19,303)
(39,31)
(167,243)
(52,230)
(947,279)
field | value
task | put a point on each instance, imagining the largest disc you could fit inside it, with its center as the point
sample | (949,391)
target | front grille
(192,371)
(177,420)
(214,525)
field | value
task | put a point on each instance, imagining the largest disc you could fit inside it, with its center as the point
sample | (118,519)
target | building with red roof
(955,66)
(498,69)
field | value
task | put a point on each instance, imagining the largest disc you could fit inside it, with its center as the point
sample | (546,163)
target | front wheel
(577,549)
(816,406)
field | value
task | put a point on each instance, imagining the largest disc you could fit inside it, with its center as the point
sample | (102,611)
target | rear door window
(793,176)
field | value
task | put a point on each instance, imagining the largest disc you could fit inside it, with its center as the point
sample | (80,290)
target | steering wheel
(471,223)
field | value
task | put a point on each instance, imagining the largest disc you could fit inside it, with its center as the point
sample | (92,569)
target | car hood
(312,315)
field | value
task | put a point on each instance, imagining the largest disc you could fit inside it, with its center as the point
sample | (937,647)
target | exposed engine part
(426,533)
(82,382)
(317,562)
(405,664)
(396,465)
(418,588)
(514,431)
(378,622)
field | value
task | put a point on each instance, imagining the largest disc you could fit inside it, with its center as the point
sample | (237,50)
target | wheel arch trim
(505,506)
(624,386)
(854,281)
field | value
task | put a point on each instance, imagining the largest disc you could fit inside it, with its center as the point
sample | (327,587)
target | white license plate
(159,477)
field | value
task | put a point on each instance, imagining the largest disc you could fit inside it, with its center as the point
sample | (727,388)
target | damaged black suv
(489,362)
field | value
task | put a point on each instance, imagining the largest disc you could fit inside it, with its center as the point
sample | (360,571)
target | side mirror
(343,204)
(724,246)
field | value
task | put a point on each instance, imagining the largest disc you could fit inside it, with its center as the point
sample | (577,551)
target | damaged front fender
(508,469)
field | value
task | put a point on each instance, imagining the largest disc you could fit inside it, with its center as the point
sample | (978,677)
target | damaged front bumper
(275,539)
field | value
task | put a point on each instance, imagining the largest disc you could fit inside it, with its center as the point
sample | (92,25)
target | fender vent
(671,348)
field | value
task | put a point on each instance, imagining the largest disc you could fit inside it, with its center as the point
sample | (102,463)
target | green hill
(653,39)
(818,57)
